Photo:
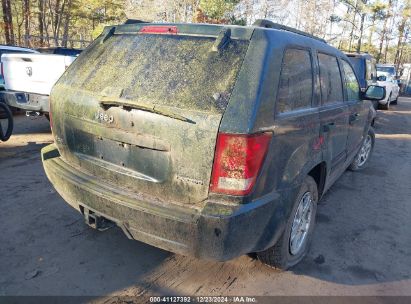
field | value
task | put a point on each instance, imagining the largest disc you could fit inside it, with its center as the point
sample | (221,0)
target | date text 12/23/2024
(203,299)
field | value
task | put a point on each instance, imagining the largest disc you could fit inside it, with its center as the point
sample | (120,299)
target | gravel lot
(362,243)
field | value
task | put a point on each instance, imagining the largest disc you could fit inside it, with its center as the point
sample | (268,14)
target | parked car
(29,79)
(208,140)
(6,49)
(386,77)
(365,66)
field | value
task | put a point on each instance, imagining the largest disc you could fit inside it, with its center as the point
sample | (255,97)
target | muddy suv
(208,140)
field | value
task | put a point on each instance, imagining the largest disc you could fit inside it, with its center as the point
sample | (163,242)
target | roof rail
(269,24)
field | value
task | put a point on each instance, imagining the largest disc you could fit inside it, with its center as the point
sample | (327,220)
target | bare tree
(8,21)
(19,21)
(390,29)
(384,29)
(377,13)
(26,17)
(403,27)
(41,18)
(363,11)
(67,23)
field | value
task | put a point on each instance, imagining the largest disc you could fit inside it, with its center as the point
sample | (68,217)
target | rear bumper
(26,101)
(216,232)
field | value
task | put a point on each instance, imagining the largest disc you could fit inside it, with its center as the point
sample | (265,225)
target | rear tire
(363,156)
(5,113)
(385,106)
(285,253)
(395,101)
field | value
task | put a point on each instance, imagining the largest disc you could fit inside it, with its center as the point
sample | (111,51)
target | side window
(373,70)
(296,81)
(330,79)
(351,83)
(369,69)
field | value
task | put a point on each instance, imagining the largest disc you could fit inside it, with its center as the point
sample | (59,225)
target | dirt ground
(362,243)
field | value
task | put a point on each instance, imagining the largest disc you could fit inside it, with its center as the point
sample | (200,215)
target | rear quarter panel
(294,148)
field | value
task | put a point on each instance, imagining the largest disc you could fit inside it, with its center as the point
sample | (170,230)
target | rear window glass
(371,70)
(177,71)
(387,70)
(296,81)
(351,84)
(330,79)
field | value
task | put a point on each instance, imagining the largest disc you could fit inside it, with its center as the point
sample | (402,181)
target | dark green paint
(150,171)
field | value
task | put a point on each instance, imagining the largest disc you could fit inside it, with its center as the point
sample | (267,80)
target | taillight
(156,29)
(237,162)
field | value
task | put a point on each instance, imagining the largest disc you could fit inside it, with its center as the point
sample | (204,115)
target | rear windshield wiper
(108,102)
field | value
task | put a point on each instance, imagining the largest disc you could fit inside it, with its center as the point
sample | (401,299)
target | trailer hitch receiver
(95,220)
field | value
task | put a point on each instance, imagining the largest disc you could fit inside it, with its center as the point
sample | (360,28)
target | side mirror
(382,78)
(374,93)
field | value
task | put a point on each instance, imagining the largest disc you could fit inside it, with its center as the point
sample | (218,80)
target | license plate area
(121,157)
(22,97)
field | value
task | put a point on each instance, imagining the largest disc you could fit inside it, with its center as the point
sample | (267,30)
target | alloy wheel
(301,223)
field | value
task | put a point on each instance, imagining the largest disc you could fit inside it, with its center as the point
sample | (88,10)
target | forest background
(379,27)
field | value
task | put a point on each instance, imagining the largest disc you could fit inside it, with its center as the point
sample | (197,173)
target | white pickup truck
(29,79)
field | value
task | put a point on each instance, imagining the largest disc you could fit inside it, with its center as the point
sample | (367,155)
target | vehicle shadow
(394,120)
(20,155)
(30,125)
(45,247)
(53,252)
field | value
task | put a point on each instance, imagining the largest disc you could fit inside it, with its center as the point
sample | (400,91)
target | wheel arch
(319,174)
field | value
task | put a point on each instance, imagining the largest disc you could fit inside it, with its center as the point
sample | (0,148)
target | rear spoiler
(202,30)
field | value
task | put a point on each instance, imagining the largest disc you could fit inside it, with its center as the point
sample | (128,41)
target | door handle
(354,117)
(328,127)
